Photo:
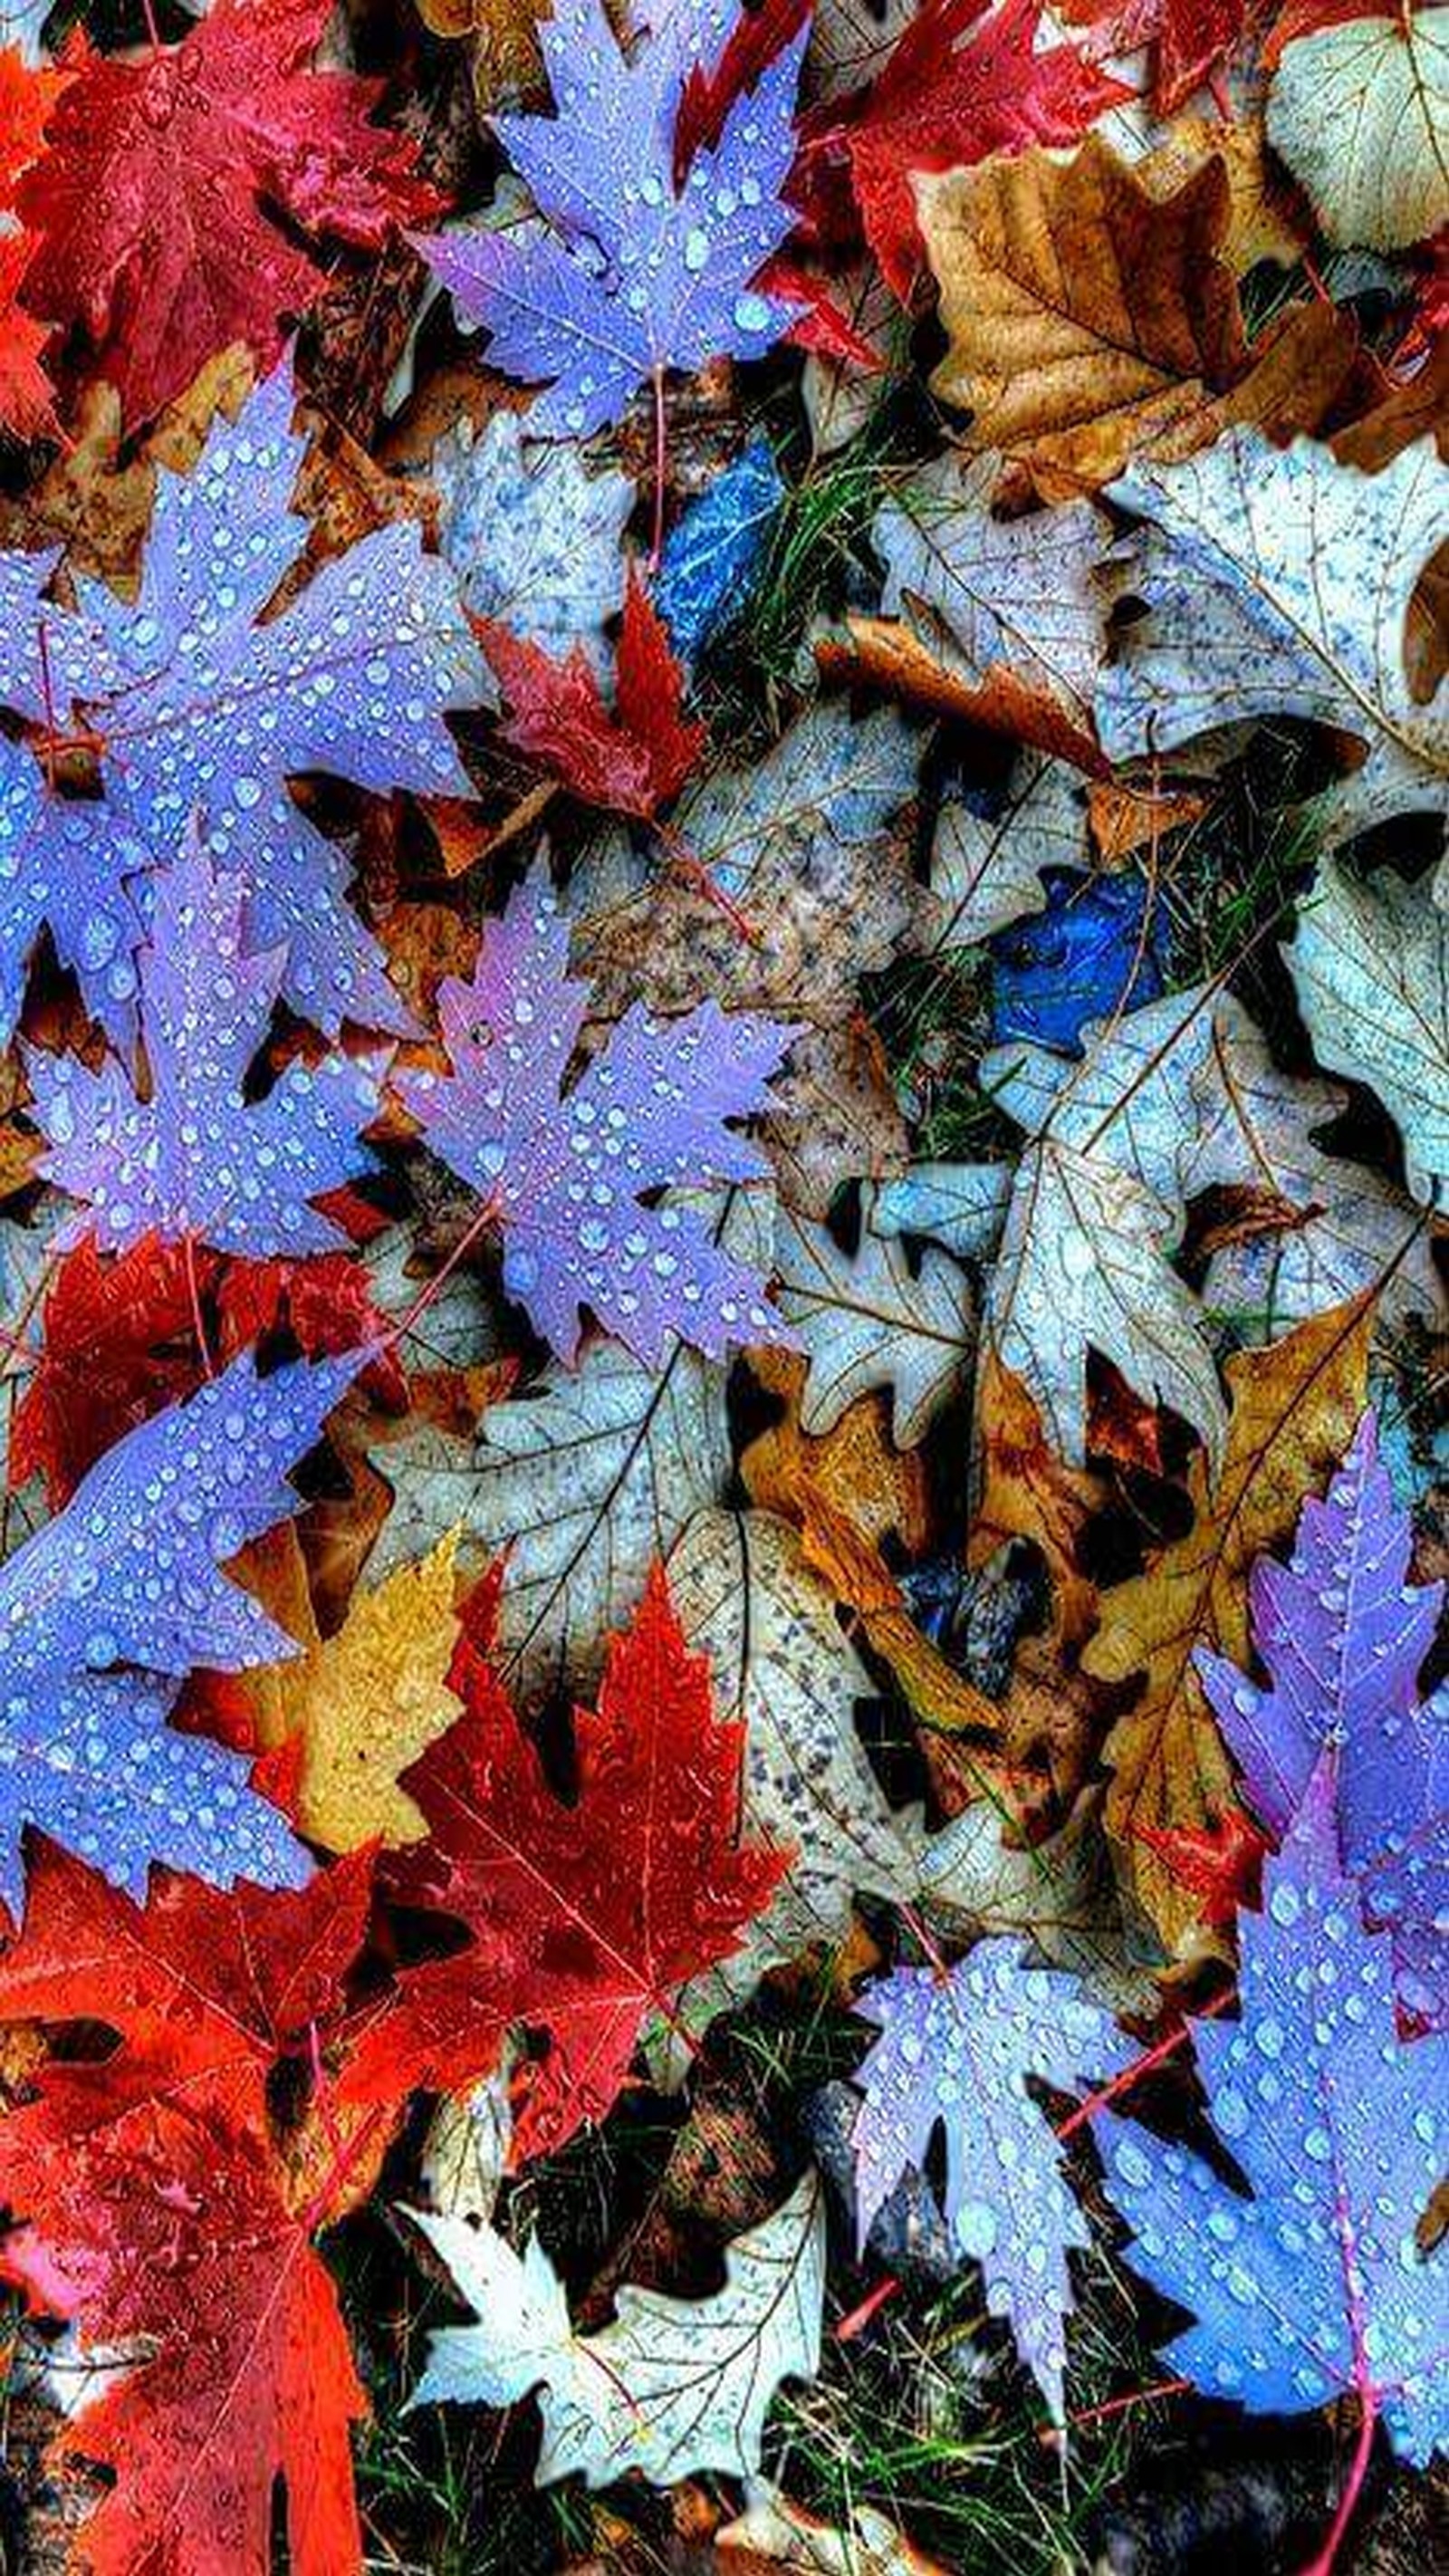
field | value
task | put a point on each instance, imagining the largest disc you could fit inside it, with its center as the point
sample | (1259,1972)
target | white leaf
(986,871)
(1279,583)
(865,1322)
(979,592)
(533,539)
(672,2386)
(1360,113)
(784,1668)
(1371,966)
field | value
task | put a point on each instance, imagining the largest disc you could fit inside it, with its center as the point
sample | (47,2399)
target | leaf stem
(656,547)
(1323,2564)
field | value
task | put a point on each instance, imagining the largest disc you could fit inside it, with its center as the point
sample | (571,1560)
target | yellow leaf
(366,1703)
(1092,319)
(1295,1408)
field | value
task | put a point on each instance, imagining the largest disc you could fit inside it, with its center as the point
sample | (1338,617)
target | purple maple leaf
(199,701)
(564,1171)
(194,1160)
(958,2049)
(1344,1635)
(1315,2286)
(130,1576)
(631,277)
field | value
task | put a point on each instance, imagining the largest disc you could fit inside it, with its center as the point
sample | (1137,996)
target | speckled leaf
(194,1160)
(582,1480)
(864,1321)
(1344,1635)
(1278,583)
(981,593)
(988,856)
(957,2050)
(129,1575)
(564,1170)
(801,842)
(1371,967)
(533,538)
(1359,111)
(631,277)
(672,2385)
(1314,2286)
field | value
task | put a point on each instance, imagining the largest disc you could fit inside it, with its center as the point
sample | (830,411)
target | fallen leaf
(1293,1414)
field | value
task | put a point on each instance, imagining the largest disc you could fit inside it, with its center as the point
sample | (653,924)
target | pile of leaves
(724,1776)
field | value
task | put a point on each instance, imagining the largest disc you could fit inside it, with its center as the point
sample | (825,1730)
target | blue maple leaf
(1315,2286)
(564,1171)
(194,699)
(626,276)
(958,2049)
(714,556)
(194,1160)
(1344,1636)
(109,1605)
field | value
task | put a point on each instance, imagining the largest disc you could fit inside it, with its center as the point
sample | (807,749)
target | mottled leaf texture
(160,2218)
(199,705)
(628,277)
(533,538)
(130,1576)
(1359,110)
(991,599)
(193,1160)
(583,1917)
(956,2050)
(1344,1635)
(1315,2285)
(157,203)
(672,2385)
(1279,583)
(1370,962)
(564,1170)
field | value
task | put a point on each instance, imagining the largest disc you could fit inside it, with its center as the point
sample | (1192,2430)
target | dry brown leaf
(98,501)
(1295,1408)
(1268,218)
(834,1114)
(883,654)
(1091,320)
(502,41)
(1127,819)
(1406,412)
(855,1470)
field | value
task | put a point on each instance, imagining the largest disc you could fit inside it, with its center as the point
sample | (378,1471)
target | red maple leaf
(631,762)
(941,102)
(757,36)
(25,390)
(168,2196)
(156,205)
(584,1916)
(28,92)
(1190,38)
(1220,1862)
(121,1341)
